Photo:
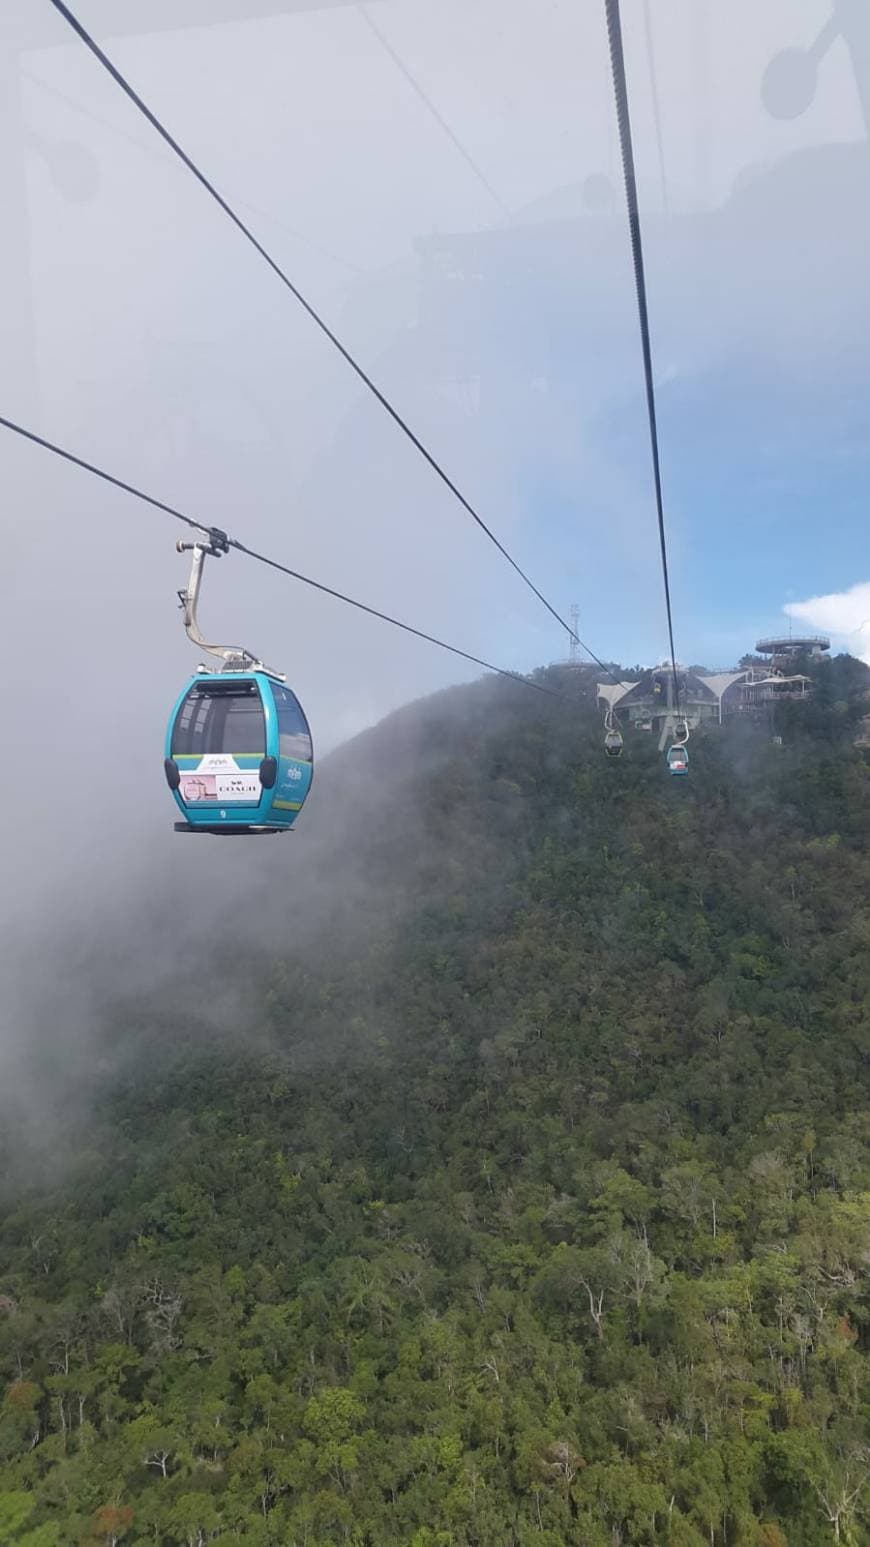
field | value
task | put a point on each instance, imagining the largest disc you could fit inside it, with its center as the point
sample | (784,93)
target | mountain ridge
(522,1196)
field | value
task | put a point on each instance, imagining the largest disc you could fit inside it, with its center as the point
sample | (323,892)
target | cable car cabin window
(294,736)
(220,717)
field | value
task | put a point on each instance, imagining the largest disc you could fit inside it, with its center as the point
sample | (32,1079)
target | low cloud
(845,615)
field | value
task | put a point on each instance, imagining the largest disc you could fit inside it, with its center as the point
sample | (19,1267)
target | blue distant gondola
(239,757)
(678,760)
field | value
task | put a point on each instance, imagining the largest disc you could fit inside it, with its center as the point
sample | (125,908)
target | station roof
(612,692)
(718,682)
(714,683)
(761,682)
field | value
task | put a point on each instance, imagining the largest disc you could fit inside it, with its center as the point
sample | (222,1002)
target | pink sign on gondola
(198,787)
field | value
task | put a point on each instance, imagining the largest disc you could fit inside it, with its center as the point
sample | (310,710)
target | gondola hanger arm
(213,544)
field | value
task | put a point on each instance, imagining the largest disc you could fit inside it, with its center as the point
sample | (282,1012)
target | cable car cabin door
(217,740)
(290,735)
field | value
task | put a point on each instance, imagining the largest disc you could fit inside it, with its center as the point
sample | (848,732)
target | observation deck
(793,644)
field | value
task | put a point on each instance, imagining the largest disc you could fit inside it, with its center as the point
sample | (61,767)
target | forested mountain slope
(522,1198)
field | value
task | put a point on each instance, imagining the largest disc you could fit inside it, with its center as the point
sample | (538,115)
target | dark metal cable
(315,316)
(233,542)
(384,617)
(98,472)
(620,89)
(199,526)
(439,118)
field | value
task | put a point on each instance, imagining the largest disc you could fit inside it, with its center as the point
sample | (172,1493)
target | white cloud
(845,615)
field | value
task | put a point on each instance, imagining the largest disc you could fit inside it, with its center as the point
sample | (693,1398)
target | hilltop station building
(648,704)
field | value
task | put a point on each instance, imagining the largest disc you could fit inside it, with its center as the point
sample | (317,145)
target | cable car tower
(573,646)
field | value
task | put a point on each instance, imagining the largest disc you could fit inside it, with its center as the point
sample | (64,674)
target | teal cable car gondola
(678,760)
(238,755)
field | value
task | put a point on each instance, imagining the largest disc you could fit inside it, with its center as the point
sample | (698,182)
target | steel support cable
(315,316)
(262,558)
(439,118)
(620,89)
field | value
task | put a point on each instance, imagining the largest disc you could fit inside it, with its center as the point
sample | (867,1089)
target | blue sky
(761,347)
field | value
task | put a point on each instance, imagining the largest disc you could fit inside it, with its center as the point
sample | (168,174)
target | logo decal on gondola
(217,762)
(241,786)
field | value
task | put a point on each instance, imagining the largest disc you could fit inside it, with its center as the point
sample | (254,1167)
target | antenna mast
(575,628)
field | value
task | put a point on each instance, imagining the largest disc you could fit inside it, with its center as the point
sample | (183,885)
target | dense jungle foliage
(523,1199)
